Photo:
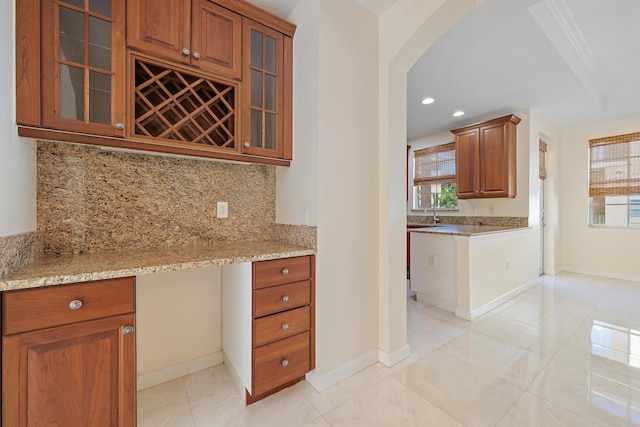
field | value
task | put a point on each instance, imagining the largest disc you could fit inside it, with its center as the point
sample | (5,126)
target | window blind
(542,158)
(435,165)
(614,165)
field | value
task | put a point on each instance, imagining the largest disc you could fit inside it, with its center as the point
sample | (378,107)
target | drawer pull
(285,326)
(285,298)
(75,304)
(285,271)
(285,363)
(128,330)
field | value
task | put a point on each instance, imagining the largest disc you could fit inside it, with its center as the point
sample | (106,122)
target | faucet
(436,218)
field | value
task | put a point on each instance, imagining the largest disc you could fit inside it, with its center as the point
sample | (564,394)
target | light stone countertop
(463,230)
(51,269)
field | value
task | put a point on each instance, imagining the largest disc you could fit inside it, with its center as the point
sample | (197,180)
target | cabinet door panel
(83,65)
(282,325)
(280,271)
(279,362)
(216,39)
(79,375)
(493,160)
(263,76)
(160,27)
(467,156)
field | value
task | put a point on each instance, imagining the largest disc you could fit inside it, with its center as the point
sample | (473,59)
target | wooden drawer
(280,298)
(39,308)
(278,326)
(281,271)
(268,363)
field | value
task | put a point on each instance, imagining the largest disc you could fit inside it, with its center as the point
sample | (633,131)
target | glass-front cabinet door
(83,60)
(265,98)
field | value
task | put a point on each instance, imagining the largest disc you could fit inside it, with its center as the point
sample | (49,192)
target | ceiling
(574,62)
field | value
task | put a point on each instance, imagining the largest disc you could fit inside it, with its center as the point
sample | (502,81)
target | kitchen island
(471,269)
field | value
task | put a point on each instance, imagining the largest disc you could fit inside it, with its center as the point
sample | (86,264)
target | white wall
(17,155)
(297,185)
(407,29)
(602,251)
(499,265)
(179,323)
(335,117)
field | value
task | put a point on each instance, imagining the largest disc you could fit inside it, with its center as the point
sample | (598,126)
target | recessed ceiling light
(458,113)
(428,100)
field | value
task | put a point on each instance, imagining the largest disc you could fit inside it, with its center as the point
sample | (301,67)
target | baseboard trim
(390,359)
(474,314)
(160,376)
(601,273)
(322,382)
(432,301)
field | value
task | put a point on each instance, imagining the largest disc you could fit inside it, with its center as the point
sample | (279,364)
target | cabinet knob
(285,363)
(119,125)
(285,326)
(247,144)
(75,304)
(185,51)
(196,55)
(127,330)
(285,271)
(285,298)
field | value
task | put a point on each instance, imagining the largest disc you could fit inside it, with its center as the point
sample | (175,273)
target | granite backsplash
(500,221)
(18,249)
(94,200)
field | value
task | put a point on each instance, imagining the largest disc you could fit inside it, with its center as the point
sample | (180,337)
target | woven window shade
(614,165)
(435,165)
(542,155)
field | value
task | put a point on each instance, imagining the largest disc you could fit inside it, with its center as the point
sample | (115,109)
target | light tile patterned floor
(564,353)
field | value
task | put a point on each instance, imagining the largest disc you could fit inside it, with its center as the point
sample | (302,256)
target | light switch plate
(223,210)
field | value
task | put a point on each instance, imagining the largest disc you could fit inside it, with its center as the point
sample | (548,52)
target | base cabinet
(63,371)
(271,305)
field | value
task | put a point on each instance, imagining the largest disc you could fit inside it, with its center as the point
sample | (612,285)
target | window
(614,181)
(434,176)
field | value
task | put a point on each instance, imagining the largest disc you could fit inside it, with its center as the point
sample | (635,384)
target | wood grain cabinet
(73,77)
(197,33)
(206,78)
(267,81)
(68,355)
(276,346)
(486,159)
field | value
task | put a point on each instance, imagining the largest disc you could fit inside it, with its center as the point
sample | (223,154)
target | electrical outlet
(304,216)
(506,265)
(223,210)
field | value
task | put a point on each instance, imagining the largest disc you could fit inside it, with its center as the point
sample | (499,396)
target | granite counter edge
(447,231)
(41,280)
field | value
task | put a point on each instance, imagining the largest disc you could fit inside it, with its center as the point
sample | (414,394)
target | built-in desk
(90,319)
(52,269)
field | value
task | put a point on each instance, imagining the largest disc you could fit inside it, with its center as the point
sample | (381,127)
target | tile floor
(564,353)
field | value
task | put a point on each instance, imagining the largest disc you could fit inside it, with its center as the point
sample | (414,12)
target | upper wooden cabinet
(197,33)
(193,77)
(486,159)
(267,80)
(82,66)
